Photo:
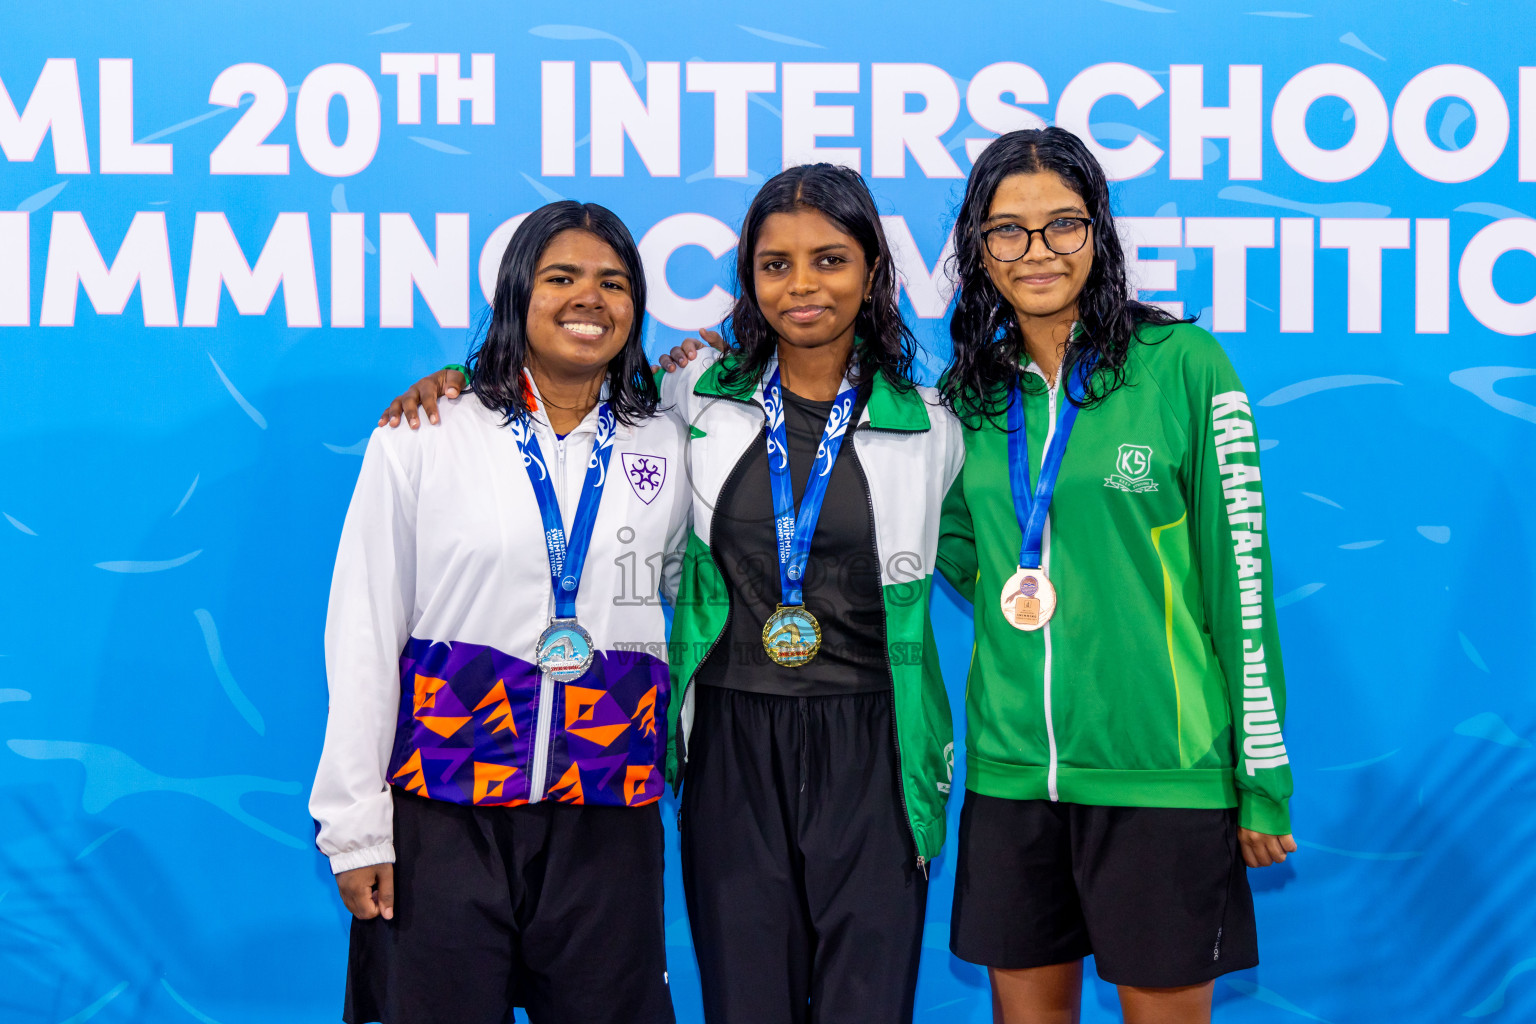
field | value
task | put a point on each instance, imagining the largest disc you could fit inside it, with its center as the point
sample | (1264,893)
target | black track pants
(549,906)
(804,894)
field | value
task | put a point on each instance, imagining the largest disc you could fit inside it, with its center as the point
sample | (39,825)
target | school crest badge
(646,474)
(1133,470)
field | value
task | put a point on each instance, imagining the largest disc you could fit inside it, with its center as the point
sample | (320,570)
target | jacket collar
(888,408)
(588,425)
(712,382)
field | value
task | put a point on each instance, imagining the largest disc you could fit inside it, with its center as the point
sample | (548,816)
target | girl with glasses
(1125,762)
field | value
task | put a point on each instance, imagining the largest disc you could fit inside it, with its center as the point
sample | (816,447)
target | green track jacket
(1157,683)
(910,450)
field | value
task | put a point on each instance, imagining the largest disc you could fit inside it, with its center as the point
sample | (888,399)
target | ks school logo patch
(645,473)
(1133,470)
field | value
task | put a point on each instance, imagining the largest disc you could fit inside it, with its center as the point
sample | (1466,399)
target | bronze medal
(1028,599)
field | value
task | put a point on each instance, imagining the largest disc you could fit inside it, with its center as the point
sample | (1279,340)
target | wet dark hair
(496,367)
(839,194)
(987,343)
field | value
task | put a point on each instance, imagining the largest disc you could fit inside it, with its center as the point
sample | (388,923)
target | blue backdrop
(172,494)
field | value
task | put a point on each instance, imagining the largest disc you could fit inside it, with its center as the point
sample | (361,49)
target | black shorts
(1158,895)
(549,906)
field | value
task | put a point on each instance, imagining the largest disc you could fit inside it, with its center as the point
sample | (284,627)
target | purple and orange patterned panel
(468,714)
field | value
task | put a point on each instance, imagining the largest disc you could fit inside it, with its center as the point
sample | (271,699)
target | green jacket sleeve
(1228,525)
(957,541)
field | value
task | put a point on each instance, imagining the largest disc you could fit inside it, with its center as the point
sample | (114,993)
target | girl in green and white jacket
(1123,748)
(813,796)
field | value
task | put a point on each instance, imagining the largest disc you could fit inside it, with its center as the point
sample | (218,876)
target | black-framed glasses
(1063,236)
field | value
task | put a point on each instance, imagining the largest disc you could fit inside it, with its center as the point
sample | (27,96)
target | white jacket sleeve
(366,627)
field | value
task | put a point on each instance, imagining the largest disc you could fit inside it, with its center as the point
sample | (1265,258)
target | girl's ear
(869,280)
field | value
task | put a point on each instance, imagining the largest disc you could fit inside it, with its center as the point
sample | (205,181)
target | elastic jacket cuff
(384,853)
(1261,814)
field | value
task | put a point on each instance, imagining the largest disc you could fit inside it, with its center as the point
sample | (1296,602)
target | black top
(842,579)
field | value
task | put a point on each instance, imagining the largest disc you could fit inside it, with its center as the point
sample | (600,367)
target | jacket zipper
(1045,567)
(542,740)
(901,789)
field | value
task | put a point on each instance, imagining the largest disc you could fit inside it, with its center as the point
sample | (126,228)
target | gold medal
(792,636)
(1029,600)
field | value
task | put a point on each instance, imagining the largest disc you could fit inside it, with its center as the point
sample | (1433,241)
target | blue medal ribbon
(567,555)
(1030,504)
(794,528)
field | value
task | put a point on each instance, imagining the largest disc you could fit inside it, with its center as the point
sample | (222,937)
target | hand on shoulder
(422,397)
(691,348)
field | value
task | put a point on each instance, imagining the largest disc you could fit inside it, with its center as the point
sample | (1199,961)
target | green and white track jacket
(1157,683)
(910,449)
